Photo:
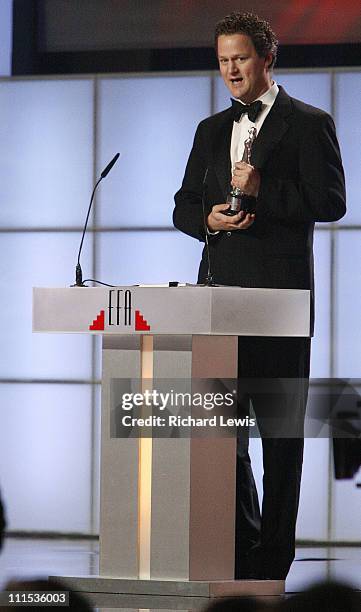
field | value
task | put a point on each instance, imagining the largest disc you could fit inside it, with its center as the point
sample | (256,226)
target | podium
(167,514)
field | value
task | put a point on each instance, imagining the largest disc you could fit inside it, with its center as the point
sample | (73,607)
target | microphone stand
(209,278)
(78,270)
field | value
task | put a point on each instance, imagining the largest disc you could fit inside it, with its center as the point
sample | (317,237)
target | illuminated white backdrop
(56,135)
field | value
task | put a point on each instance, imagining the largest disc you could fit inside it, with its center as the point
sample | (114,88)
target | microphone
(78,270)
(209,278)
(109,166)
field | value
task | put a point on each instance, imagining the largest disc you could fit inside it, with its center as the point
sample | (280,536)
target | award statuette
(236,197)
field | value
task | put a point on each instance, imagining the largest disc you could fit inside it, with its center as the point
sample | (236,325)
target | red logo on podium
(98,323)
(140,323)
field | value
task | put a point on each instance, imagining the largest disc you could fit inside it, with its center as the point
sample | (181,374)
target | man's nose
(233,68)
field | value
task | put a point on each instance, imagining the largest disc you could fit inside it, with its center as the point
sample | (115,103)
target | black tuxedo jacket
(302,181)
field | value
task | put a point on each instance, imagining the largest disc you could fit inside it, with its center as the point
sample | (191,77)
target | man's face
(243,71)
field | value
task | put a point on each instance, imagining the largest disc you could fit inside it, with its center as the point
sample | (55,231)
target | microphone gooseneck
(78,270)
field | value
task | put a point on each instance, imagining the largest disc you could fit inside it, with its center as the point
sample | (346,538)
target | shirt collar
(270,95)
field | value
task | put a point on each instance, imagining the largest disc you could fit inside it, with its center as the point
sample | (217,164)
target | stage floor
(30,558)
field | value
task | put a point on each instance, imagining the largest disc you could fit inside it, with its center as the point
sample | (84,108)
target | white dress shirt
(240,128)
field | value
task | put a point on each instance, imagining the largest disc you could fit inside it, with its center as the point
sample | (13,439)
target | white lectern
(167,516)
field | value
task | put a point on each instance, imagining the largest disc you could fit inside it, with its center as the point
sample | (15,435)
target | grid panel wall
(61,130)
(349,133)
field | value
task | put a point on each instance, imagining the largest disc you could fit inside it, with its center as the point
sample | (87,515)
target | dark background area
(90,36)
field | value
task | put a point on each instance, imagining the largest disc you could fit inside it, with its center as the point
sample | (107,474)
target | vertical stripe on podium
(145,468)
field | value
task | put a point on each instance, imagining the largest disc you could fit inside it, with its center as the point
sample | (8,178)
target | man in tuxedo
(294,178)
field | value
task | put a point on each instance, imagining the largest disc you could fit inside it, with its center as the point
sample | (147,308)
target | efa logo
(119,313)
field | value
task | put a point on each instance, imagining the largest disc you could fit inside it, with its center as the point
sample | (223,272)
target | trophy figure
(236,197)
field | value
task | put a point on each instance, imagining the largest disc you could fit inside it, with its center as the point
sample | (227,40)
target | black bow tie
(252,110)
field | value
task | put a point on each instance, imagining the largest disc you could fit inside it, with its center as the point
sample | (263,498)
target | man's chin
(238,93)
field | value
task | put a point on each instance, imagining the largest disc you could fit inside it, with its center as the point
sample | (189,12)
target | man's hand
(246,178)
(217,220)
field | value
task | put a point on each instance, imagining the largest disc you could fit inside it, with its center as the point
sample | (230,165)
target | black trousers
(273,376)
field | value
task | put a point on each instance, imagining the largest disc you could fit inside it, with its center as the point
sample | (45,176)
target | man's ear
(269,61)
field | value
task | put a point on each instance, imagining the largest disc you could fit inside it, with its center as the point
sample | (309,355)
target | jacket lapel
(273,129)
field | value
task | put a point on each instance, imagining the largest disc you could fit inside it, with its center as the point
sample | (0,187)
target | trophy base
(240,203)
(230,212)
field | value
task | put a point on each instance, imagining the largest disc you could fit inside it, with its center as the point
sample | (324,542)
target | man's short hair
(259,31)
